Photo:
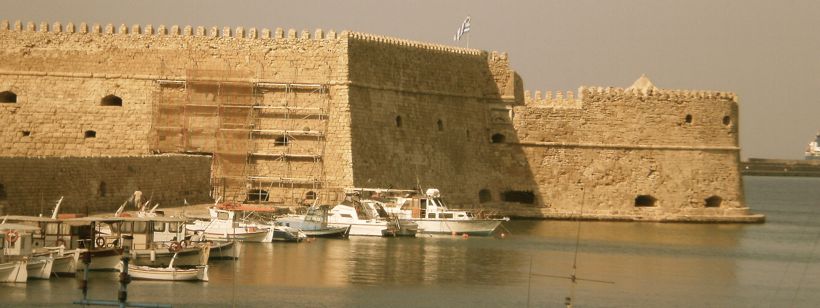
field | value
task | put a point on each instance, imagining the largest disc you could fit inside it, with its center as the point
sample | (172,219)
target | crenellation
(331,35)
(70,28)
(305,35)
(148,30)
(57,27)
(30,27)
(318,35)
(109,29)
(253,33)
(279,33)
(96,29)
(122,30)
(43,26)
(239,32)
(266,34)
(291,34)
(4,25)
(188,30)
(18,26)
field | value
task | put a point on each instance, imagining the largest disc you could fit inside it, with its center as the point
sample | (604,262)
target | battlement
(637,90)
(560,99)
(228,32)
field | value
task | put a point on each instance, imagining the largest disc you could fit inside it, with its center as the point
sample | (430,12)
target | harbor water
(648,264)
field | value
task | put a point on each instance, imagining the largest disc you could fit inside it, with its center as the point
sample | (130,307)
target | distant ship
(813,150)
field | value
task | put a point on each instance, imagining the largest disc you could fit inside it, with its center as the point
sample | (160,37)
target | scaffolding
(267,139)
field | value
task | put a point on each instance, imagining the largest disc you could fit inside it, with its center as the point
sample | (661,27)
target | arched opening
(645,201)
(111,100)
(498,138)
(90,134)
(440,125)
(26,133)
(518,196)
(484,196)
(398,121)
(8,97)
(2,192)
(258,195)
(727,120)
(713,201)
(688,119)
(310,195)
(103,189)
(281,141)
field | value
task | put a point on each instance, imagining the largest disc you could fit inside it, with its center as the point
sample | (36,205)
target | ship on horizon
(813,150)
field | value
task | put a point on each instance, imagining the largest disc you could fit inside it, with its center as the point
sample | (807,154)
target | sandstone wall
(422,115)
(606,148)
(31,185)
(60,75)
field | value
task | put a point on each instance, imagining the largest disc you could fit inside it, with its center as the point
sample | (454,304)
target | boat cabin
(147,231)
(16,240)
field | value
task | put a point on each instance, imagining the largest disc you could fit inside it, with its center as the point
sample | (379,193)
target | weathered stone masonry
(289,117)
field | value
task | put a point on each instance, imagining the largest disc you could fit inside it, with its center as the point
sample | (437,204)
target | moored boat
(369,219)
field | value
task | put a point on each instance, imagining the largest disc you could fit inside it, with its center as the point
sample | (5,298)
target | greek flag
(465,27)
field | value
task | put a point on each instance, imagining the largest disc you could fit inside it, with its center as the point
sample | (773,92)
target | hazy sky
(768,52)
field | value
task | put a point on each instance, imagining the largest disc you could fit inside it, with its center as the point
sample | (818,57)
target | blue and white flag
(465,27)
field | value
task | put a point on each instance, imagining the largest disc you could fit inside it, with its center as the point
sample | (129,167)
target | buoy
(453,233)
(503,235)
(465,235)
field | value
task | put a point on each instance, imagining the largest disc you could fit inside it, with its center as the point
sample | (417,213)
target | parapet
(641,89)
(225,32)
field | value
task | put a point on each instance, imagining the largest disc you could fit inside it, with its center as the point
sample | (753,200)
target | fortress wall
(423,86)
(617,145)
(61,72)
(101,184)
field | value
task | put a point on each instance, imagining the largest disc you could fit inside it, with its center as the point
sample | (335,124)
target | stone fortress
(189,114)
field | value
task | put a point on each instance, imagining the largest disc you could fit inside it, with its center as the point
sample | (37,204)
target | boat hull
(189,256)
(258,236)
(224,250)
(168,274)
(66,264)
(14,271)
(340,232)
(471,227)
(39,267)
(102,259)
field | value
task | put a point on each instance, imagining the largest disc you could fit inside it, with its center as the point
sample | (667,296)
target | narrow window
(2,192)
(688,119)
(440,125)
(484,195)
(111,100)
(713,201)
(26,133)
(103,189)
(8,97)
(645,201)
(727,120)
(90,134)
(398,121)
(498,138)
(281,141)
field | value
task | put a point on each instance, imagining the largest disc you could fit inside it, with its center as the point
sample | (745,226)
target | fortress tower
(285,118)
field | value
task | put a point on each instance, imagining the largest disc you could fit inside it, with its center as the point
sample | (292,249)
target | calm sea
(776,264)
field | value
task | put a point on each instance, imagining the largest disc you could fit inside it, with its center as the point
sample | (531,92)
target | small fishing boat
(169,273)
(13,271)
(433,216)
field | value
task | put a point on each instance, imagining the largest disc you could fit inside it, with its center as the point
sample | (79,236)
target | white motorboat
(65,261)
(369,219)
(433,216)
(39,267)
(314,223)
(224,226)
